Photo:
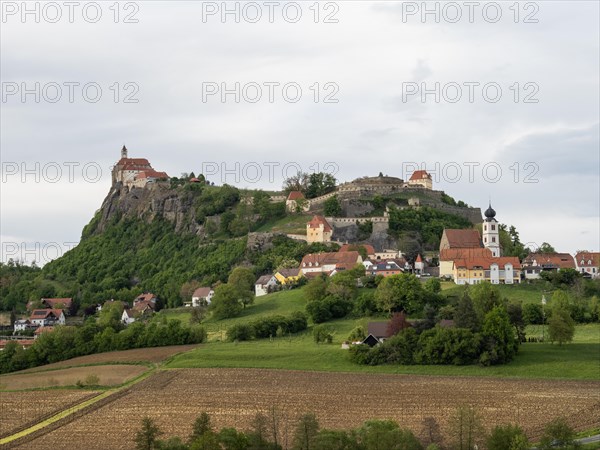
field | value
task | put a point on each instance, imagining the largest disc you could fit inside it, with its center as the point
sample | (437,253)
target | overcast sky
(348,87)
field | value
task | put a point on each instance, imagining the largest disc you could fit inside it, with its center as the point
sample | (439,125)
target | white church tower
(491,233)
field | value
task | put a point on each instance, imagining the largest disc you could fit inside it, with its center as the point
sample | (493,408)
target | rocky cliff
(154,200)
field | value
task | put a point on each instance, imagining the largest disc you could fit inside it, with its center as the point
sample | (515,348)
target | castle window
(484,227)
(493,227)
(493,239)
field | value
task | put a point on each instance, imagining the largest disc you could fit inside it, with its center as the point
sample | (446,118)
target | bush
(329,308)
(240,332)
(322,333)
(357,334)
(297,322)
(267,326)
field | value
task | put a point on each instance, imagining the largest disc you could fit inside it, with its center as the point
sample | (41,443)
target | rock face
(148,203)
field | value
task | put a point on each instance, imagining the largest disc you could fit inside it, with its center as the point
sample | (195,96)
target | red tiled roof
(295,195)
(463,238)
(21,342)
(350,247)
(41,330)
(145,296)
(419,175)
(134,163)
(449,254)
(485,263)
(44,313)
(289,272)
(588,259)
(66,302)
(343,259)
(558,260)
(202,292)
(143,305)
(151,173)
(316,221)
(418,258)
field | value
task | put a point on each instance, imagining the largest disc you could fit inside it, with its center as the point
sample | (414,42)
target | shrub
(240,332)
(322,333)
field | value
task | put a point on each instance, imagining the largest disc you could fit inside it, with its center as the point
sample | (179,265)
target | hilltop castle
(135,172)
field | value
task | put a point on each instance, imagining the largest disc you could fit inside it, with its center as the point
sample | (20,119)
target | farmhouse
(22,325)
(129,316)
(45,317)
(202,296)
(328,262)
(58,303)
(535,263)
(263,284)
(588,263)
(288,276)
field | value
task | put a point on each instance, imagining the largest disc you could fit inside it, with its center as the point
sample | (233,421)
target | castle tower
(491,232)
(124,152)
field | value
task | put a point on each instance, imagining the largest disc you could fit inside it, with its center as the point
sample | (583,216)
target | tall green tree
(225,302)
(561,327)
(242,278)
(306,432)
(465,315)
(507,437)
(147,437)
(332,207)
(400,292)
(466,428)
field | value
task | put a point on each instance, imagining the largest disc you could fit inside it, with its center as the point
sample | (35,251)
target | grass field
(292,224)
(174,398)
(526,293)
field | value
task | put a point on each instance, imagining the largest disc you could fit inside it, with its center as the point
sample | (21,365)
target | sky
(498,100)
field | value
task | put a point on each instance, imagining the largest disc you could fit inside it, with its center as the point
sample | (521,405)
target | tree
(316,289)
(386,434)
(499,335)
(242,278)
(147,437)
(465,315)
(465,428)
(187,289)
(397,323)
(532,314)
(298,182)
(320,184)
(201,426)
(558,434)
(400,292)
(306,432)
(332,207)
(561,327)
(507,437)
(485,297)
(546,248)
(225,302)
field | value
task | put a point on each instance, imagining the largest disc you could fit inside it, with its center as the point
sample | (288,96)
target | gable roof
(45,313)
(289,272)
(151,173)
(550,260)
(134,163)
(337,258)
(143,305)
(295,195)
(316,221)
(264,279)
(463,238)
(419,175)
(378,329)
(590,259)
(53,302)
(202,292)
(486,263)
(146,296)
(449,254)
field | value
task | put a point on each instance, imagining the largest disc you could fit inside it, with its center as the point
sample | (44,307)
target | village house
(263,285)
(288,276)
(329,262)
(419,268)
(588,263)
(202,296)
(22,325)
(535,263)
(420,178)
(58,303)
(318,230)
(449,255)
(129,316)
(502,270)
(47,317)
(383,268)
(47,329)
(295,201)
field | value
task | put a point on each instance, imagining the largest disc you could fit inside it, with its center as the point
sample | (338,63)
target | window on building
(493,227)
(493,239)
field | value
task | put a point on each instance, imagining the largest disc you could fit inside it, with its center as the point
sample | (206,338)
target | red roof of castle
(134,163)
(419,175)
(295,195)
(341,260)
(316,221)
(151,173)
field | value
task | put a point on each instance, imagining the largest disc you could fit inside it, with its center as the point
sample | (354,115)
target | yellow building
(318,230)
(288,276)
